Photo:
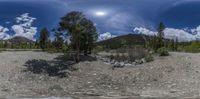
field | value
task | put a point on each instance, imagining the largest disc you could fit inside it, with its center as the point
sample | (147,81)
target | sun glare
(100,13)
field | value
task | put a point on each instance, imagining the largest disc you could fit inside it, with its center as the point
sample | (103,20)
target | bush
(163,51)
(148,57)
(194,47)
(98,49)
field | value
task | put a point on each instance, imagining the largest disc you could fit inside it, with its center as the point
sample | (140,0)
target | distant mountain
(20,39)
(130,39)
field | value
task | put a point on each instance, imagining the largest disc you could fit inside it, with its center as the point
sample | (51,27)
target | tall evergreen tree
(59,41)
(89,36)
(161,35)
(43,40)
(176,44)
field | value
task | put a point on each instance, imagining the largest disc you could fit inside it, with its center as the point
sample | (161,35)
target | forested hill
(124,40)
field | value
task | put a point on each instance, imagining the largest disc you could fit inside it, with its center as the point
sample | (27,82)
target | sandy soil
(39,74)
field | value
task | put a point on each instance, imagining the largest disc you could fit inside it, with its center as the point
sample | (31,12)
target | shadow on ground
(59,66)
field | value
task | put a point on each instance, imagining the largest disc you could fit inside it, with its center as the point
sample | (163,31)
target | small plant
(148,57)
(163,51)
(98,48)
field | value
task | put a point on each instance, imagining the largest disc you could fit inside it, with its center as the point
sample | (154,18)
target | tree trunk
(78,52)
(86,50)
(90,50)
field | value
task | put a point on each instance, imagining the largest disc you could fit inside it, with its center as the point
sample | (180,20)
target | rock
(133,63)
(138,62)
(118,65)
(173,91)
(112,62)
(107,63)
(89,82)
(5,90)
(122,64)
(143,60)
(56,87)
(128,64)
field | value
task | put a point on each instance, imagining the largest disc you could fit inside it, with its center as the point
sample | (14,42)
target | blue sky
(113,17)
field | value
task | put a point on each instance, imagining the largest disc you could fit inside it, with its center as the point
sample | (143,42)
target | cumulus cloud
(105,36)
(171,33)
(196,31)
(141,30)
(181,35)
(3,33)
(24,26)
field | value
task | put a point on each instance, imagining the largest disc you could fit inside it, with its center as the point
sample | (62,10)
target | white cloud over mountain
(24,26)
(144,31)
(105,36)
(171,33)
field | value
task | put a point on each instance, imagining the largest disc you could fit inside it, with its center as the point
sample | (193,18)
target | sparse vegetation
(163,51)
(148,57)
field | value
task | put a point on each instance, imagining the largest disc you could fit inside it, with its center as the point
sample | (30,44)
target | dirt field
(39,74)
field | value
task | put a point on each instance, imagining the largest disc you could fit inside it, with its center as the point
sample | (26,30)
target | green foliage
(99,48)
(163,51)
(194,47)
(81,30)
(43,40)
(148,57)
(125,41)
(161,29)
(59,41)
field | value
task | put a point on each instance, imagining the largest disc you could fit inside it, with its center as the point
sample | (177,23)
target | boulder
(143,60)
(122,64)
(138,62)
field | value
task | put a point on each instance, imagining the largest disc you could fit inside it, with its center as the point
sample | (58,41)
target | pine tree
(43,40)
(59,41)
(176,44)
(161,35)
(82,32)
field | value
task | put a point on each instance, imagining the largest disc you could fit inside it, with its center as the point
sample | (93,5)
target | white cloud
(24,27)
(181,35)
(196,31)
(170,33)
(105,36)
(141,30)
(3,33)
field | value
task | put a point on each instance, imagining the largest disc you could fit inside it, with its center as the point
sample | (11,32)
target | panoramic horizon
(99,49)
(111,18)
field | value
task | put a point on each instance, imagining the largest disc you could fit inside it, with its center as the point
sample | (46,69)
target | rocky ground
(39,74)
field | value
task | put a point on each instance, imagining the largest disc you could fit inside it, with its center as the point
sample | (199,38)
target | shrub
(194,47)
(163,51)
(98,48)
(148,57)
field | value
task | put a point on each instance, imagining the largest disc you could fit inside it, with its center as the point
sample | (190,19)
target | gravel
(176,75)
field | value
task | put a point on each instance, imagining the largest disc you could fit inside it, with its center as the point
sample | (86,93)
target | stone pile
(121,64)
